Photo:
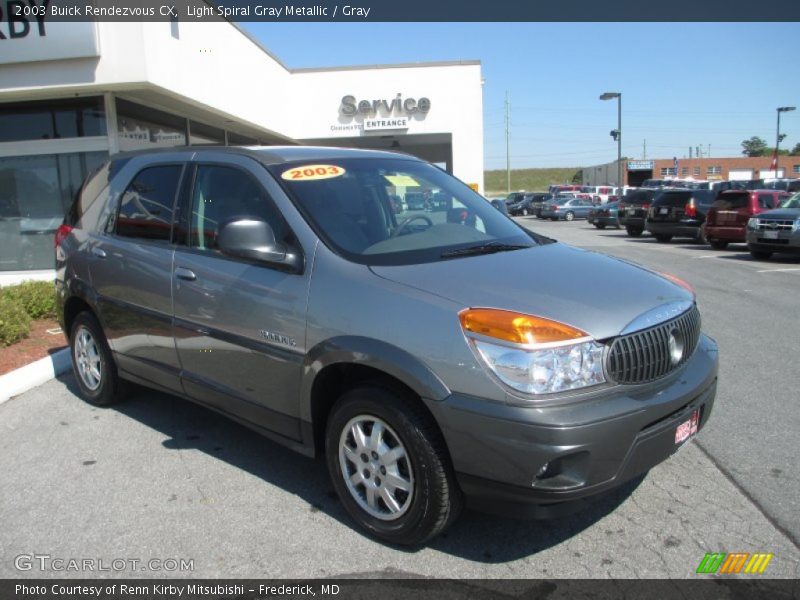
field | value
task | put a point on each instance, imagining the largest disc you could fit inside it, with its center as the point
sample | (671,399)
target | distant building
(710,169)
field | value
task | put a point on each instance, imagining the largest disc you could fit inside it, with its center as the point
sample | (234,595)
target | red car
(726,221)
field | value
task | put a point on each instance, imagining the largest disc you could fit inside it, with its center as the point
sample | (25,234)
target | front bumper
(787,241)
(592,446)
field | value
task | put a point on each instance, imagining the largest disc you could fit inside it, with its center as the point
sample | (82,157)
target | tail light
(645,206)
(61,234)
(690,210)
(554,207)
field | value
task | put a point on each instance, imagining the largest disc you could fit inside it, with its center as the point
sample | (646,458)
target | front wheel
(93,364)
(389,465)
(570,216)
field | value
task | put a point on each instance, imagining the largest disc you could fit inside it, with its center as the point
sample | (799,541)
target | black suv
(632,210)
(679,213)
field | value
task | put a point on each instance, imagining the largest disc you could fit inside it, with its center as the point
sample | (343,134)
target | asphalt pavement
(161,478)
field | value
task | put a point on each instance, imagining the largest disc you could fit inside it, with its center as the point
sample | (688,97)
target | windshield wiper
(489,248)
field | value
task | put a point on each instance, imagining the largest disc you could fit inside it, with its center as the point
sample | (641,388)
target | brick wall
(758,165)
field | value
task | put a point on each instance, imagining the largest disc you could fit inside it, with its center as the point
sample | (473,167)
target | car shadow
(474,536)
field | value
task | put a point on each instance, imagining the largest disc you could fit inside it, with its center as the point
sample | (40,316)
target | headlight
(752,223)
(796,226)
(531,354)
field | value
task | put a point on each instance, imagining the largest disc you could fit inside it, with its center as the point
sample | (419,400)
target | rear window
(732,201)
(673,199)
(639,197)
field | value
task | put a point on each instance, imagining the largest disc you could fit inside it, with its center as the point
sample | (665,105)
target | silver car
(435,359)
(775,230)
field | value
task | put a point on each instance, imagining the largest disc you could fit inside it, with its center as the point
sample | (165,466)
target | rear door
(131,270)
(239,326)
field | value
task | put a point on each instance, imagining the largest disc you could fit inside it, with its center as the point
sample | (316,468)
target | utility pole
(709,151)
(508,144)
(644,149)
(690,153)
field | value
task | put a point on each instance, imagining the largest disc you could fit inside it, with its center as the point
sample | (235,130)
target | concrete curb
(35,374)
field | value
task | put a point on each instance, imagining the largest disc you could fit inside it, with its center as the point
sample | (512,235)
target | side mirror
(254,240)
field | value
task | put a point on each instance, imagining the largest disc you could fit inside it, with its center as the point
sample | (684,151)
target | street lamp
(778,134)
(617,135)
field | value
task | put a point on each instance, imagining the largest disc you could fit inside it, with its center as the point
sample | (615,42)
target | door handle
(183,273)
(98,252)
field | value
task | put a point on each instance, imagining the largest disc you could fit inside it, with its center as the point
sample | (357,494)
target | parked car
(557,189)
(604,215)
(537,203)
(525,206)
(600,193)
(276,286)
(726,221)
(775,230)
(514,197)
(679,213)
(499,204)
(786,185)
(567,208)
(632,210)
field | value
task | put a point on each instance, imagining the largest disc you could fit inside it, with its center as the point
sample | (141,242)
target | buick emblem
(675,347)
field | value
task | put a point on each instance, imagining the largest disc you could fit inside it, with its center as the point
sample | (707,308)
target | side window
(223,194)
(145,209)
(766,201)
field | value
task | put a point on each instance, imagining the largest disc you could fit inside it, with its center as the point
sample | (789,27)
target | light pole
(778,135)
(617,135)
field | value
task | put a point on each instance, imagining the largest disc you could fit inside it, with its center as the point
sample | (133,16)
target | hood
(789,214)
(593,292)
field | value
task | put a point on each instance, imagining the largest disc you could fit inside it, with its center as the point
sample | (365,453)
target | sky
(682,84)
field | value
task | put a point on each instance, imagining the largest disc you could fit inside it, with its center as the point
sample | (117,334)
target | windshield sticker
(401,180)
(312,172)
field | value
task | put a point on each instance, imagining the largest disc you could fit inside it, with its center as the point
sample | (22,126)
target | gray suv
(435,359)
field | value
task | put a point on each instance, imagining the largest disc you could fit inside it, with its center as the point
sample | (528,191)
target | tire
(600,225)
(570,216)
(662,237)
(434,499)
(525,212)
(93,364)
(760,254)
(634,231)
(718,244)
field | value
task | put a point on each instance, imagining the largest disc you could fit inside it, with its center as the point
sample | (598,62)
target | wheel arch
(342,363)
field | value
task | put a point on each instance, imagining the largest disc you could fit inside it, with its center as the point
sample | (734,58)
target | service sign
(34,38)
(640,165)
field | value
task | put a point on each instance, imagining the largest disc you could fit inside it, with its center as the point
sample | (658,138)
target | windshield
(347,202)
(793,202)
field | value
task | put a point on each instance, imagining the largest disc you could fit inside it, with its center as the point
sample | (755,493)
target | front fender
(372,353)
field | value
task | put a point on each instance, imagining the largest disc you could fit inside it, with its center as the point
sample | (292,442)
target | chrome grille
(774,224)
(646,355)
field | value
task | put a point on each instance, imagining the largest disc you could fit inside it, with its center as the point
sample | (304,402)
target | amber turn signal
(516,327)
(677,281)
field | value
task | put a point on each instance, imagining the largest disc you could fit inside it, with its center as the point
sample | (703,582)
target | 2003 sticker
(311,172)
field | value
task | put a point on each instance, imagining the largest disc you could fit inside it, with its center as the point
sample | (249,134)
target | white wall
(216,67)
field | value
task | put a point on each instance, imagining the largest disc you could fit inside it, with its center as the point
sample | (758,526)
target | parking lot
(158,477)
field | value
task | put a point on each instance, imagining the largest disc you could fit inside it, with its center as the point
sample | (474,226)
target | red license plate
(688,428)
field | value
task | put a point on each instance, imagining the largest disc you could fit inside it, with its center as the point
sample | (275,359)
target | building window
(684,171)
(52,119)
(201,134)
(668,171)
(696,171)
(140,127)
(795,168)
(35,194)
(713,170)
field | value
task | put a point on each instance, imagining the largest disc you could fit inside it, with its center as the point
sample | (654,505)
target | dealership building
(71,94)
